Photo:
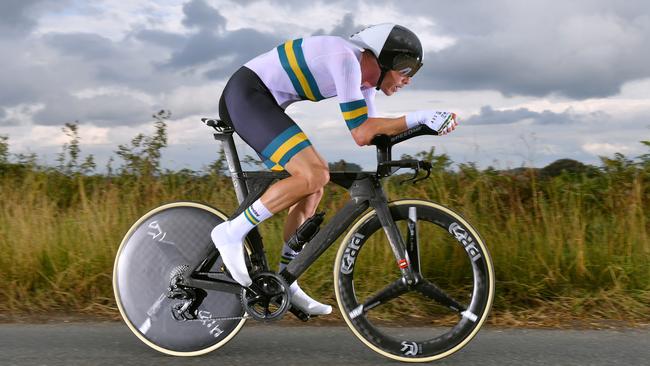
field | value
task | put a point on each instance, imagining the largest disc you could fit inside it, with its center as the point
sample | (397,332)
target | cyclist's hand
(439,121)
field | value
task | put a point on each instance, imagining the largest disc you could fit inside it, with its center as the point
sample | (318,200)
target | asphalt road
(261,345)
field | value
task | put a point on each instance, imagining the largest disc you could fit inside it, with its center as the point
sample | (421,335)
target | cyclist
(380,57)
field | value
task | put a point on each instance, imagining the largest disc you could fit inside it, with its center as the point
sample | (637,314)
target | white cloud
(91,93)
(20,114)
(114,18)
(43,136)
(420,24)
(602,149)
(188,100)
(38,71)
(93,135)
(272,17)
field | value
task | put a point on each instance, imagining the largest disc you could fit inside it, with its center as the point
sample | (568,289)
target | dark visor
(406,65)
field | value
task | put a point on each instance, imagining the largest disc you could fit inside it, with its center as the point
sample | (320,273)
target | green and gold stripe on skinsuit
(293,62)
(354,113)
(284,147)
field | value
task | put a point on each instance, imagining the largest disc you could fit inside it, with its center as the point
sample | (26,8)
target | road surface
(112,343)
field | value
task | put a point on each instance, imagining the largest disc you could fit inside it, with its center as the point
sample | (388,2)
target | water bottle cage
(306,232)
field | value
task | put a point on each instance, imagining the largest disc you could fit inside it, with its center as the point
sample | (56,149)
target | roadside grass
(567,247)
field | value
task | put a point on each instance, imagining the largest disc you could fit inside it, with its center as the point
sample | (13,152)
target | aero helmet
(395,47)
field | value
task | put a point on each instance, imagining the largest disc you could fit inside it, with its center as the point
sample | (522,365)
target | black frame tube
(365,190)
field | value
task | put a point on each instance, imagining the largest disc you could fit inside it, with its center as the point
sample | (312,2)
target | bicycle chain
(245,316)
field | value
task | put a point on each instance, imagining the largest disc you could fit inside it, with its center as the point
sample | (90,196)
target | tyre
(166,242)
(424,322)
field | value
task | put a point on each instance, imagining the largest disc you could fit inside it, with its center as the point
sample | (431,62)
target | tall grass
(564,247)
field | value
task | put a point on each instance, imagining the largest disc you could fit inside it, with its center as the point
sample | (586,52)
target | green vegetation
(568,241)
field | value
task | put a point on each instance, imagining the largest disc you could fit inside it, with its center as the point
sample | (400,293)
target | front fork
(406,254)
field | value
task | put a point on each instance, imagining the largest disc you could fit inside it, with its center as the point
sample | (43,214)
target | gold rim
(119,301)
(337,265)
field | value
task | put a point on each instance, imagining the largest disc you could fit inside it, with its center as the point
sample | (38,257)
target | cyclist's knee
(308,166)
(316,178)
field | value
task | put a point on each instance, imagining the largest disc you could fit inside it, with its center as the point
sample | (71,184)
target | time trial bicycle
(413,279)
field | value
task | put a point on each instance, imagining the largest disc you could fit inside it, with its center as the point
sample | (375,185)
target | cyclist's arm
(373,126)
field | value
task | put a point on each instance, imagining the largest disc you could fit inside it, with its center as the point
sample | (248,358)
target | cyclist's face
(394,81)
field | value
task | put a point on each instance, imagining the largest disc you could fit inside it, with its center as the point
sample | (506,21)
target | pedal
(300,314)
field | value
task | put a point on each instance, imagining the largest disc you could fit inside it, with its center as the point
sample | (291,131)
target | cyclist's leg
(298,213)
(301,211)
(253,112)
(309,174)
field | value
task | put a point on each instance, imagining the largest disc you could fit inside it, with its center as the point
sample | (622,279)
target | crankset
(267,298)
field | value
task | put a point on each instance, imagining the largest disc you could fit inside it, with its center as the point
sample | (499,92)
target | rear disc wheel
(167,242)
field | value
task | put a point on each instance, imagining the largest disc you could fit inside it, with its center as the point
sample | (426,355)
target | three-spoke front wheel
(426,320)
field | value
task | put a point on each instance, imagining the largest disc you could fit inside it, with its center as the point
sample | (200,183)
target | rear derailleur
(190,298)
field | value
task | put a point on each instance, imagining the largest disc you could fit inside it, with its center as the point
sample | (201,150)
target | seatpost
(234,166)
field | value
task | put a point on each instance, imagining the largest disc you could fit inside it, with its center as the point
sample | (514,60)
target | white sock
(286,256)
(229,236)
(299,298)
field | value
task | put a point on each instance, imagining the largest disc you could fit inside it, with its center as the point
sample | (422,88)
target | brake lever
(414,179)
(428,169)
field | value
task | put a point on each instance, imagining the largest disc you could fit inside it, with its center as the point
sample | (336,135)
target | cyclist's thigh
(258,120)
(306,160)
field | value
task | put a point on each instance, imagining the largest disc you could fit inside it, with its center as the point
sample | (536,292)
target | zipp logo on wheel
(350,255)
(411,348)
(463,237)
(157,233)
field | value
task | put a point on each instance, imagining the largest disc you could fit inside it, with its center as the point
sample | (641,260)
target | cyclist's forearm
(387,126)
(378,126)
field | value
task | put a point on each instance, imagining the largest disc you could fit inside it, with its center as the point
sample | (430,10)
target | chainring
(267,298)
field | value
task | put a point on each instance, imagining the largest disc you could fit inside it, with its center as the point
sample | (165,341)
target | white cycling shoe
(232,253)
(304,302)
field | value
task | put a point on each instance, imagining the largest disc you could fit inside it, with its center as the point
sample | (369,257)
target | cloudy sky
(533,81)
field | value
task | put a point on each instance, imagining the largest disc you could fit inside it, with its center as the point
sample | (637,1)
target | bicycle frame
(365,190)
(194,266)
